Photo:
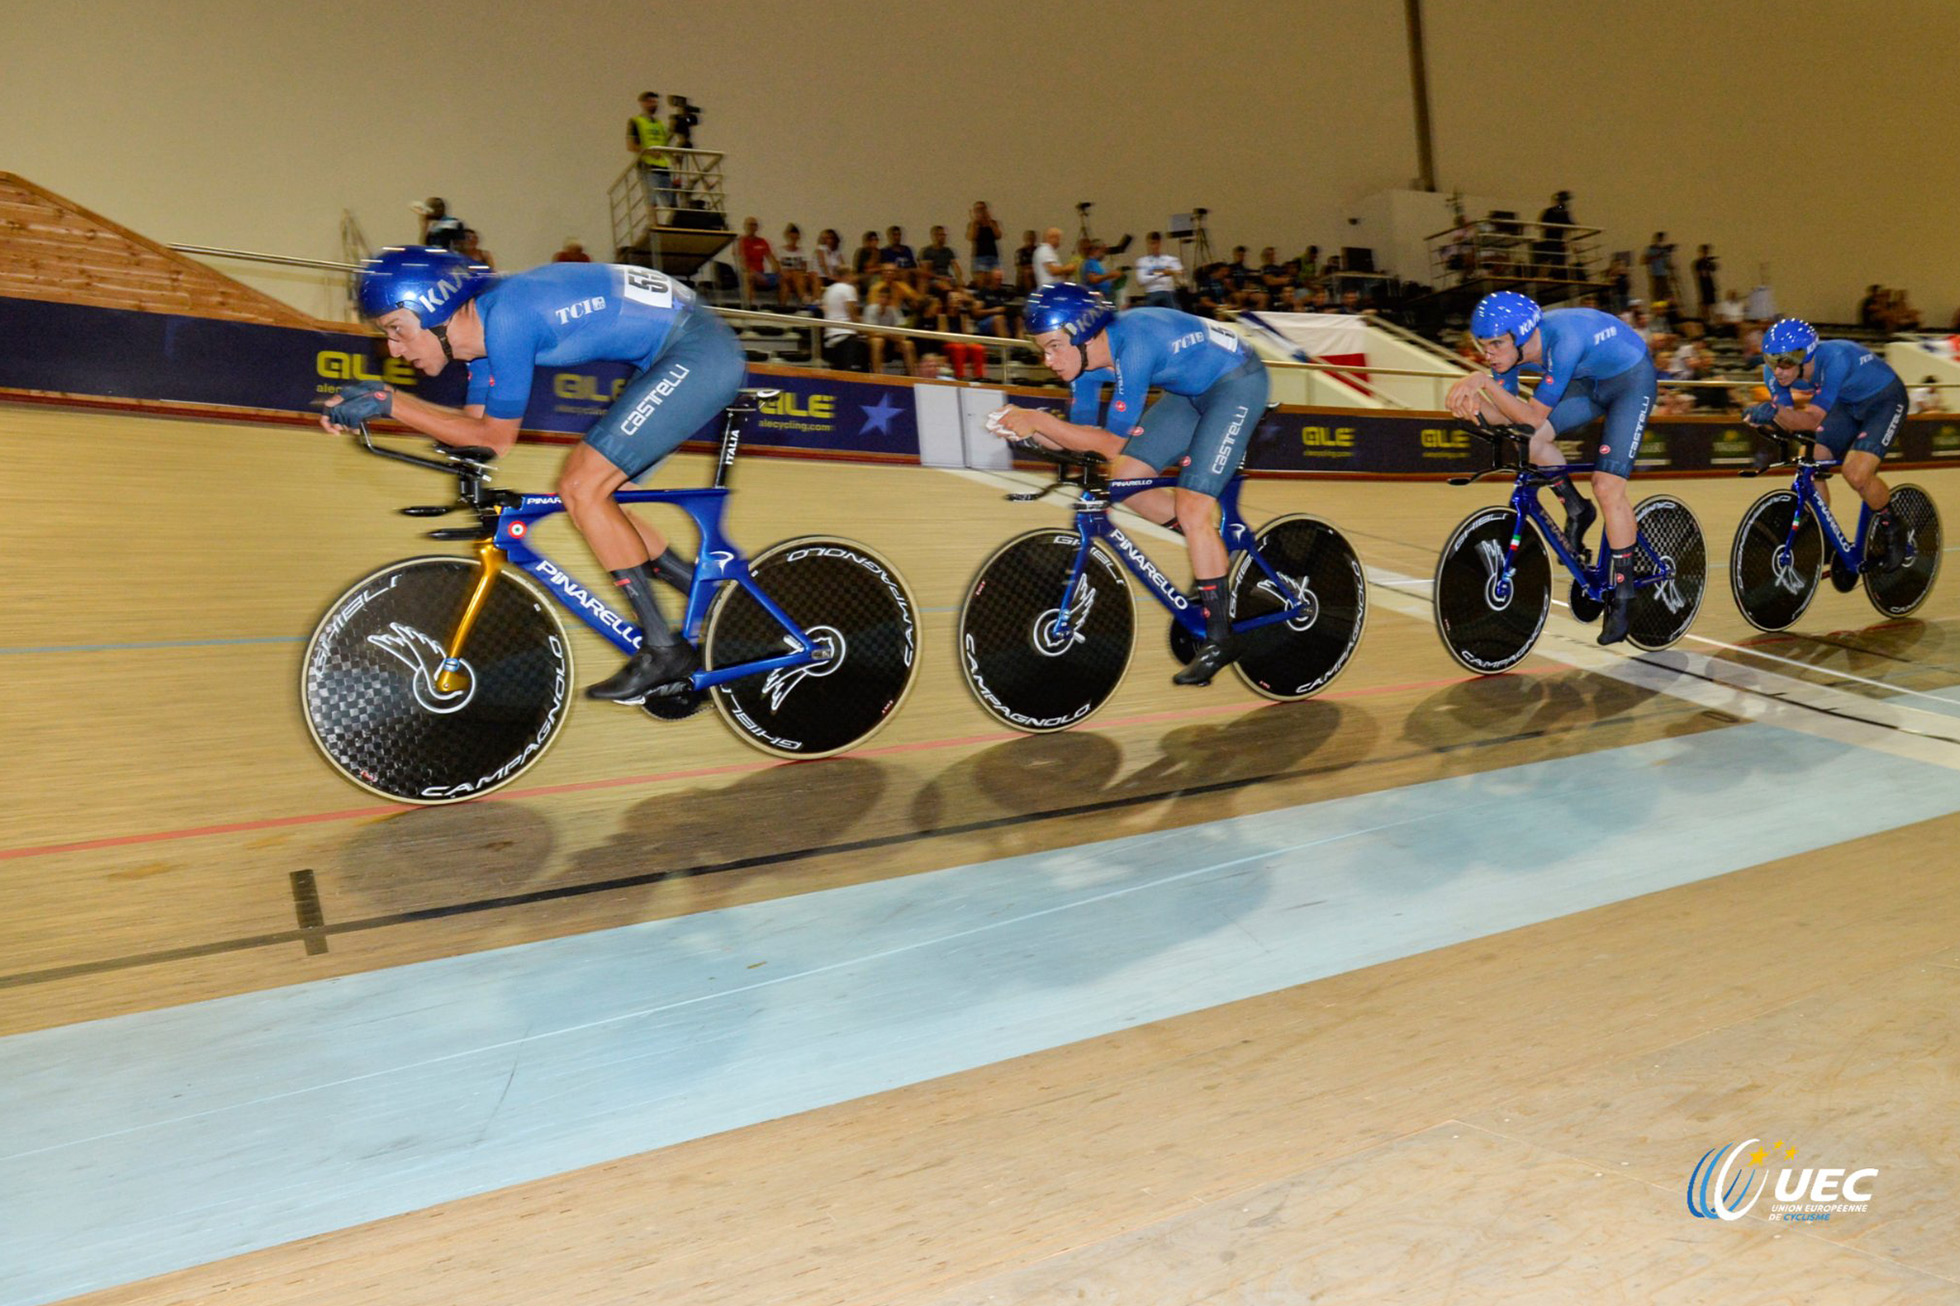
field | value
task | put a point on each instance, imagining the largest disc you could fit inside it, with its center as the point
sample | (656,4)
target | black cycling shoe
(655,669)
(1619,616)
(1211,658)
(1894,556)
(1576,526)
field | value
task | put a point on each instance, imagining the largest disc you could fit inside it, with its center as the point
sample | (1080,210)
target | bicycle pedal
(673,707)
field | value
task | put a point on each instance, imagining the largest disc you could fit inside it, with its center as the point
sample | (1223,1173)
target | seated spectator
(1729,315)
(831,264)
(438,227)
(1158,273)
(941,264)
(1351,304)
(897,254)
(900,295)
(843,350)
(799,282)
(955,315)
(1926,397)
(573,252)
(1215,292)
(1752,350)
(1310,266)
(881,311)
(992,312)
(760,270)
(1316,300)
(1637,318)
(868,259)
(470,249)
(1247,291)
(1275,278)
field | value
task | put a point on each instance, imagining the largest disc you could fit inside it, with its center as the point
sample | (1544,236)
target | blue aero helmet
(1505,313)
(431,283)
(1066,307)
(1789,342)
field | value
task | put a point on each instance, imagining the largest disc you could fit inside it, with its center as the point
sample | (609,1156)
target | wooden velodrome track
(1510,1117)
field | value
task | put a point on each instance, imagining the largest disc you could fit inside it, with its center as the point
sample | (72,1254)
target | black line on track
(310,935)
(306,906)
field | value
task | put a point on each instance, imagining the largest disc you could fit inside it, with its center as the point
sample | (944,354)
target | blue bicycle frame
(1524,502)
(1092,523)
(1850,553)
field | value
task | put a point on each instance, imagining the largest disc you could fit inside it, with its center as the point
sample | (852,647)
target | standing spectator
(1705,267)
(474,252)
(438,227)
(1551,236)
(941,264)
(760,270)
(843,349)
(798,280)
(831,264)
(1729,315)
(1619,284)
(647,136)
(983,235)
(1048,265)
(1659,257)
(1158,273)
(1094,274)
(1024,263)
(573,252)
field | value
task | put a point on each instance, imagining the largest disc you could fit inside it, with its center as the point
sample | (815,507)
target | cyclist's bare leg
(1197,517)
(1611,491)
(586,484)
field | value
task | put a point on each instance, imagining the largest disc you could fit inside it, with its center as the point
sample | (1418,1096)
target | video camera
(689,113)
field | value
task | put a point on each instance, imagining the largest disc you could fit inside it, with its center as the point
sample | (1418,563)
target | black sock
(638,584)
(674,570)
(1569,495)
(1218,622)
(1619,569)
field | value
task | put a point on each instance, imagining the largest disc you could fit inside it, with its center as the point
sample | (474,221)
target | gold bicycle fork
(450,679)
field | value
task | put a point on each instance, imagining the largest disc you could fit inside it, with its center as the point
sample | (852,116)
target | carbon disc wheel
(1773,573)
(1018,667)
(1670,542)
(1900,592)
(1317,568)
(1489,621)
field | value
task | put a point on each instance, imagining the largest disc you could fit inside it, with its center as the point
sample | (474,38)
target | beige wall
(254,124)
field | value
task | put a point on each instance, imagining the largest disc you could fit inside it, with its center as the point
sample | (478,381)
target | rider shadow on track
(1897,646)
(780,814)
(436,857)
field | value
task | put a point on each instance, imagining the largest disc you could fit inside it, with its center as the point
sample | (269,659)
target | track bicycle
(1047,628)
(438,679)
(1779,552)
(1494,583)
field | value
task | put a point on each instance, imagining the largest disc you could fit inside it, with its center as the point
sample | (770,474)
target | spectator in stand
(1310,266)
(843,350)
(1659,257)
(1637,317)
(1247,292)
(1095,274)
(895,283)
(1158,273)
(647,137)
(831,263)
(956,317)
(470,249)
(983,238)
(760,270)
(438,227)
(1705,266)
(1871,307)
(1752,350)
(573,252)
(941,264)
(1901,315)
(1619,284)
(868,259)
(799,282)
(1926,396)
(1024,263)
(1550,249)
(1351,304)
(1275,278)
(1048,265)
(993,314)
(881,311)
(1215,292)
(897,254)
(1317,300)
(1729,315)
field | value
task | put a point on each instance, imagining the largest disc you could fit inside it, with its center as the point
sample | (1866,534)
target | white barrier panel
(938,407)
(983,449)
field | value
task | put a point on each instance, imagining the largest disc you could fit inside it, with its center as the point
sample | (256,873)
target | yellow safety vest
(653,134)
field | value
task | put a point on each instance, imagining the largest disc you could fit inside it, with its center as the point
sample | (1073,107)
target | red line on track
(734,768)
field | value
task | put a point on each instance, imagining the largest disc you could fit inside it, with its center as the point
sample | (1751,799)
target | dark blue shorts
(1625,401)
(684,388)
(1867,426)
(1206,433)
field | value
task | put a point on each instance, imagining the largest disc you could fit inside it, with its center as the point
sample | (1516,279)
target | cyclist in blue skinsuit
(1590,365)
(1850,399)
(1214,393)
(436,307)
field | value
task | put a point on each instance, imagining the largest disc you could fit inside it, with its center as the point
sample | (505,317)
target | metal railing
(1513,249)
(695,182)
